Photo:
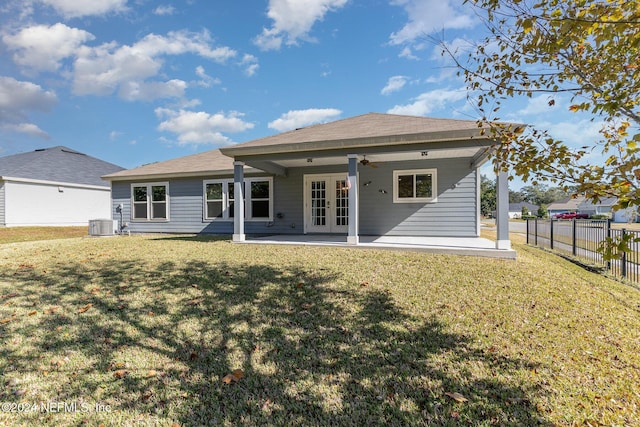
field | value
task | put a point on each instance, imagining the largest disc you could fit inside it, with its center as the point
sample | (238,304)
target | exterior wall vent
(102,227)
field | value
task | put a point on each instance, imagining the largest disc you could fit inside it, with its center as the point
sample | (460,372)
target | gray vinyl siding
(2,209)
(454,214)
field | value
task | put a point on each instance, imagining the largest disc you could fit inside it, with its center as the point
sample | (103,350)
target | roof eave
(393,140)
(54,183)
(169,175)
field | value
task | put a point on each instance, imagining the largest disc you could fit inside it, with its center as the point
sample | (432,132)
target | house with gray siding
(374,175)
(54,186)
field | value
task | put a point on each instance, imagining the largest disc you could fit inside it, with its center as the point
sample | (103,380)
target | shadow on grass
(312,352)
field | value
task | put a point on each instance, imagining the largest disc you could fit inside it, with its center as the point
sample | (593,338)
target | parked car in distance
(571,215)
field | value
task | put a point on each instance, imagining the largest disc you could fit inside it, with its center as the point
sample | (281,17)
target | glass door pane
(341,203)
(318,203)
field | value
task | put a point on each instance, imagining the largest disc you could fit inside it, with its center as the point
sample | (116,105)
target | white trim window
(219,199)
(150,201)
(415,186)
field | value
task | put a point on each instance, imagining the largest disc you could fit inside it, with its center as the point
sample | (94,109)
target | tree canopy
(585,48)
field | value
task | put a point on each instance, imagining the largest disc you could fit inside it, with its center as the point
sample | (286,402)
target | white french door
(326,203)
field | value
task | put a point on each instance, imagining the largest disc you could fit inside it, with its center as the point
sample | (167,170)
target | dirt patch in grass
(28,234)
(202,331)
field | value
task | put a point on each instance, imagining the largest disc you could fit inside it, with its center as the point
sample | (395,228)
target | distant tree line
(541,195)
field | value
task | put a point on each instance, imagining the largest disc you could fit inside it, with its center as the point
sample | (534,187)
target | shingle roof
(569,204)
(58,164)
(208,163)
(370,125)
(517,207)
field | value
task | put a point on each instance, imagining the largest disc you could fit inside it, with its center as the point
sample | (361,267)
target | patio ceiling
(376,158)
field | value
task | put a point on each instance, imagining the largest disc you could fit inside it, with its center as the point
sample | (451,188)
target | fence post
(609,237)
(573,240)
(535,227)
(551,233)
(528,231)
(624,256)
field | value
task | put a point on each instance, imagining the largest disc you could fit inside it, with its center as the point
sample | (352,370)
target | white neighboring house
(54,186)
(605,207)
(515,209)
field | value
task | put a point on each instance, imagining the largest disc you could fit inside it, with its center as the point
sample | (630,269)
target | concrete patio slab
(469,246)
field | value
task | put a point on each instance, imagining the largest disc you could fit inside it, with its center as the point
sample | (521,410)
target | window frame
(414,172)
(149,202)
(227,213)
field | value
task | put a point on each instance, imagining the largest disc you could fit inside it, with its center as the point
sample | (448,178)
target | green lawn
(150,329)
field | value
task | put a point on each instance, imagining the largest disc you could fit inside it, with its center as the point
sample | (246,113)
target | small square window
(414,186)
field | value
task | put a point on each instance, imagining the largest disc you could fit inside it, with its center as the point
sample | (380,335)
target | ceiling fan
(365,162)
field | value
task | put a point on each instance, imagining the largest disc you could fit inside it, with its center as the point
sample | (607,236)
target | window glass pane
(231,209)
(214,209)
(158,210)
(230,190)
(139,194)
(159,193)
(423,186)
(405,186)
(214,191)
(260,190)
(140,210)
(260,209)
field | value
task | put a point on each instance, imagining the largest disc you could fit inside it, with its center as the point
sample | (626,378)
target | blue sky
(139,81)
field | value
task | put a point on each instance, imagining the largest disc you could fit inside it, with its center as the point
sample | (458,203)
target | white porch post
(502,211)
(352,237)
(238,202)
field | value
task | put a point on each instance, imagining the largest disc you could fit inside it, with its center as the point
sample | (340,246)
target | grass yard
(28,234)
(149,330)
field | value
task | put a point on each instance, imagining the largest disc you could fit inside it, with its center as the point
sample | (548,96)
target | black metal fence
(582,238)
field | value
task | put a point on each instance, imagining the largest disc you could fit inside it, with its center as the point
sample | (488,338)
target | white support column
(502,211)
(352,237)
(238,202)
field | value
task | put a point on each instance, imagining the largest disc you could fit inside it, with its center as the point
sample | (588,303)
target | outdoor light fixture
(424,153)
(382,191)
(366,184)
(309,160)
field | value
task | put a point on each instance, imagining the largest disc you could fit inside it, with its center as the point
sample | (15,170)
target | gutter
(54,183)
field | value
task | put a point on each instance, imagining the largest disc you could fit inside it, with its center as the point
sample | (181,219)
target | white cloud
(573,132)
(429,16)
(540,105)
(20,96)
(394,84)
(428,102)
(251,64)
(17,99)
(407,53)
(101,70)
(205,79)
(26,128)
(200,127)
(148,91)
(78,8)
(43,47)
(293,20)
(164,10)
(295,119)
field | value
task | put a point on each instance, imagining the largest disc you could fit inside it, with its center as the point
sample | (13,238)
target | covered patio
(376,181)
(469,246)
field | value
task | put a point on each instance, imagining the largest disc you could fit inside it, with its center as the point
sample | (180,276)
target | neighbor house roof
(56,164)
(605,202)
(211,162)
(372,129)
(517,207)
(569,204)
